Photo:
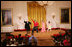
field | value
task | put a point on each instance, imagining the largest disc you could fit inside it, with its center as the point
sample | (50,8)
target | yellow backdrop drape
(1,18)
(36,12)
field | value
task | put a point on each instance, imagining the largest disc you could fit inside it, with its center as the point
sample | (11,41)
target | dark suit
(27,27)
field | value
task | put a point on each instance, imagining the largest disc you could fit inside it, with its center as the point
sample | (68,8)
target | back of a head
(20,42)
(12,36)
(19,34)
(26,35)
(12,42)
(32,40)
(33,43)
(33,37)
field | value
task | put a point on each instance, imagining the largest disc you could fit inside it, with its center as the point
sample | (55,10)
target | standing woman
(43,26)
(49,26)
(27,26)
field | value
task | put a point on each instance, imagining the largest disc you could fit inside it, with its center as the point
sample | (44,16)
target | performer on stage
(36,24)
(27,26)
(49,26)
(43,26)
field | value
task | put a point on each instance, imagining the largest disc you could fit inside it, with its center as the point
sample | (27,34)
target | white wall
(20,9)
(55,10)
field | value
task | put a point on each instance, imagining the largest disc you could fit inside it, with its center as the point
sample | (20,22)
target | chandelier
(45,3)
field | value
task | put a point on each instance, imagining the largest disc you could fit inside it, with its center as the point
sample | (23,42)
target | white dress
(49,27)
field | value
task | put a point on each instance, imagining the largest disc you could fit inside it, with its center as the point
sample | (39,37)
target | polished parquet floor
(44,38)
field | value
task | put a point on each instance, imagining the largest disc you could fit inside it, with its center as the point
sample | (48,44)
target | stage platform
(40,29)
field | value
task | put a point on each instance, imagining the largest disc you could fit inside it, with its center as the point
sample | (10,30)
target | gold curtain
(1,18)
(36,12)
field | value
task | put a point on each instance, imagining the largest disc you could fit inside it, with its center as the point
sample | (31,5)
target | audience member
(12,44)
(32,41)
(4,42)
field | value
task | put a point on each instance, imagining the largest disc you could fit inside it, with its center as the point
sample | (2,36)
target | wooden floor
(44,38)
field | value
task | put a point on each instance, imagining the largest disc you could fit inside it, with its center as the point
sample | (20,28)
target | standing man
(27,26)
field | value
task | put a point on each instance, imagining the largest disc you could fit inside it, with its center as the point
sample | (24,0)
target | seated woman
(20,43)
